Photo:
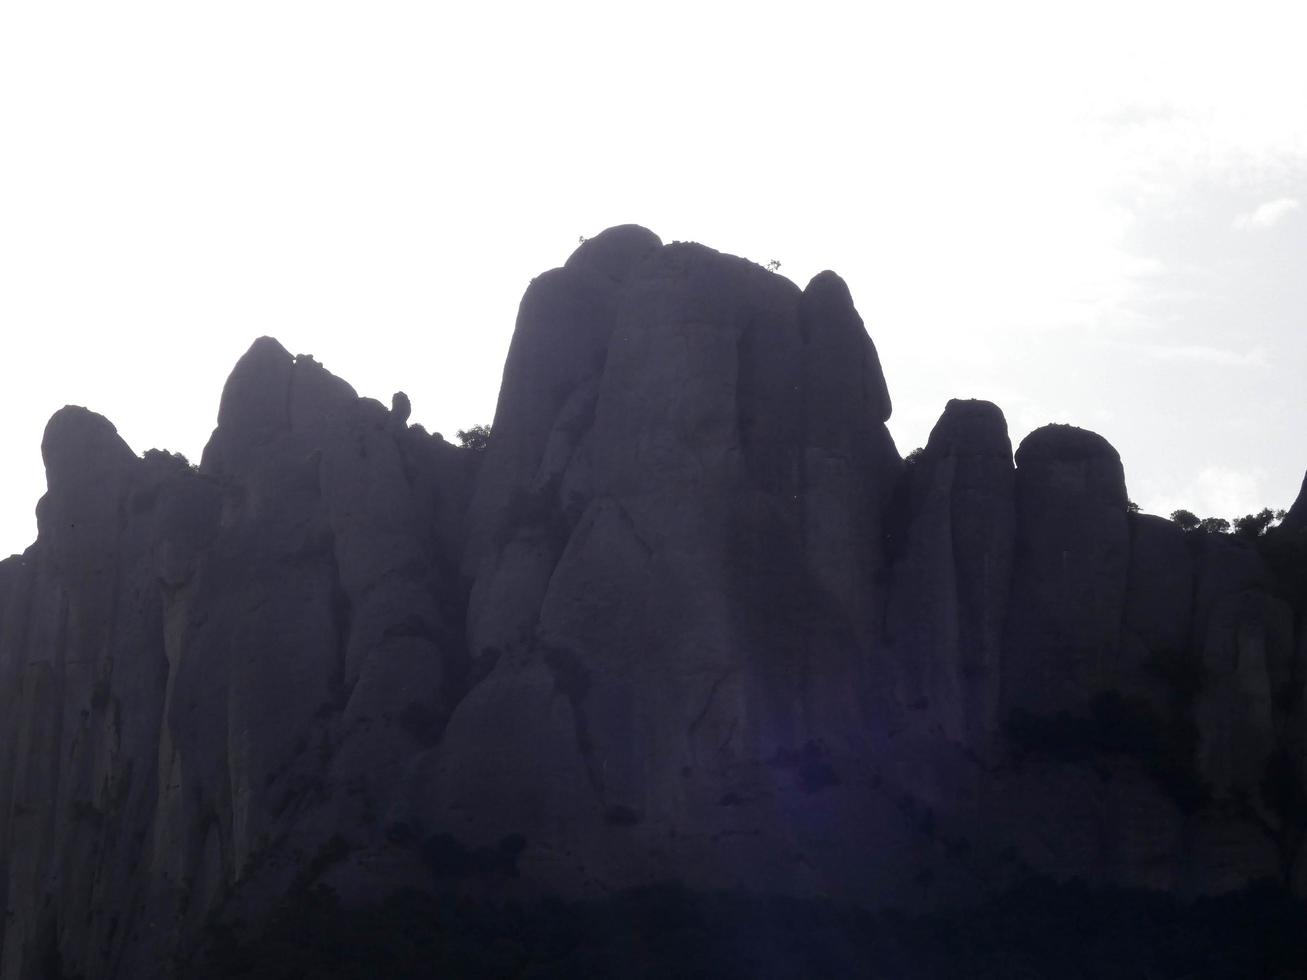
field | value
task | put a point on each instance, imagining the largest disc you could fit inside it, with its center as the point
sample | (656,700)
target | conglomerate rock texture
(689,617)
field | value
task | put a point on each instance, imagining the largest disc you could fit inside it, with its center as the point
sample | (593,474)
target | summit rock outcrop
(204,670)
(1070,568)
(677,609)
(952,575)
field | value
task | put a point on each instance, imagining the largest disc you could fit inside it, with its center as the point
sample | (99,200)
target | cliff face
(689,617)
(206,672)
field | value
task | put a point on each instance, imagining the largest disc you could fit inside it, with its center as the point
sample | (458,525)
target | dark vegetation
(476,438)
(1250,526)
(1163,737)
(1118,725)
(165,460)
(1283,548)
(1041,929)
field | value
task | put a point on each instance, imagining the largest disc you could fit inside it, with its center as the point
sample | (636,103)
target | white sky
(1097,218)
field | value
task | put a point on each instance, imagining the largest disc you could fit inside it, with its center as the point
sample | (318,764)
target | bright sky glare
(1093,217)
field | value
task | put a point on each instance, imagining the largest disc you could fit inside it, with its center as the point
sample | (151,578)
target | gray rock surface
(1160,596)
(684,620)
(1296,518)
(689,616)
(205,673)
(1070,570)
(952,578)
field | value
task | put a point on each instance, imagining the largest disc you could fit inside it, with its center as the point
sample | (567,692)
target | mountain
(688,618)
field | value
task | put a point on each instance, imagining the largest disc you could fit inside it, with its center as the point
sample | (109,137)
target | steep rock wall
(206,673)
(690,616)
(686,614)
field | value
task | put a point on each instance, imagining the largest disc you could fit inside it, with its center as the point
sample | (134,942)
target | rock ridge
(689,616)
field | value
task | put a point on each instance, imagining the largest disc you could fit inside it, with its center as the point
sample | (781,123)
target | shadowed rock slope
(690,617)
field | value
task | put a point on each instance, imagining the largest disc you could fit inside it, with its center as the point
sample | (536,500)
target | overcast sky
(1097,218)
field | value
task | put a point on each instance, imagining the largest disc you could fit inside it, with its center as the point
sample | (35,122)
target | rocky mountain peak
(79,446)
(689,617)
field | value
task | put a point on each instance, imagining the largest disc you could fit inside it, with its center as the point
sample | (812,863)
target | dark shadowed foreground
(684,671)
(1039,929)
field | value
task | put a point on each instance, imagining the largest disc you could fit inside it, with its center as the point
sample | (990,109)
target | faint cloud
(1137,114)
(1256,357)
(1221,491)
(1215,491)
(1267,215)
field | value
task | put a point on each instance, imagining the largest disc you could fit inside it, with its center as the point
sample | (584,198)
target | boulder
(951,578)
(1070,571)
(849,465)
